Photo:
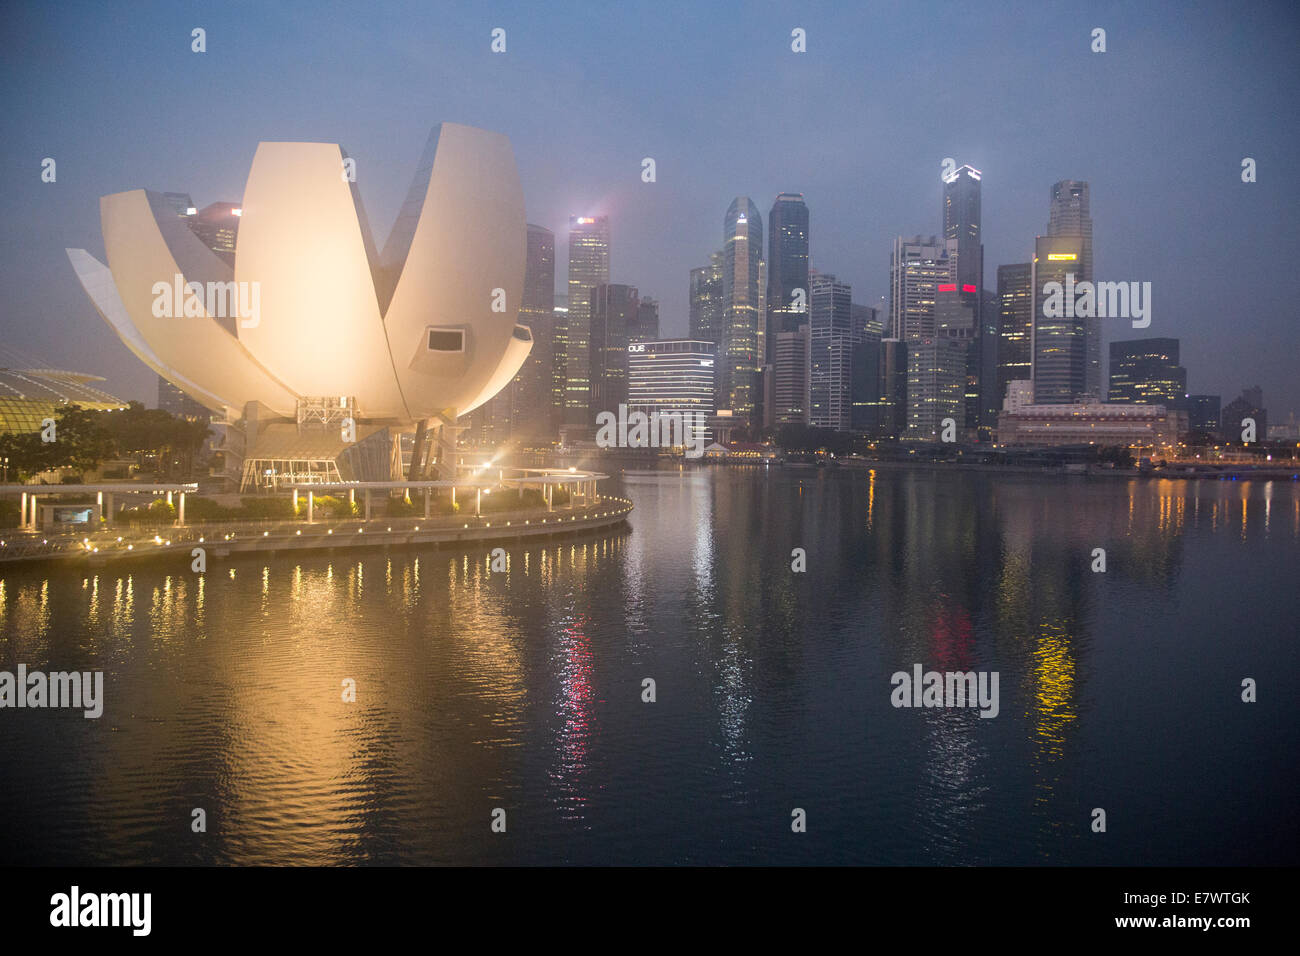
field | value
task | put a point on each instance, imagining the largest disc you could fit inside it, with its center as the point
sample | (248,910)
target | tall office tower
(961,221)
(217,225)
(791,377)
(761,354)
(864,387)
(864,362)
(1070,216)
(956,317)
(1203,413)
(531,413)
(181,203)
(891,418)
(706,301)
(522,410)
(175,402)
(560,352)
(987,344)
(916,267)
(646,325)
(588,268)
(936,374)
(787,265)
(1059,340)
(833,338)
(706,312)
(673,375)
(1016,321)
(742,300)
(867,321)
(614,311)
(1146,372)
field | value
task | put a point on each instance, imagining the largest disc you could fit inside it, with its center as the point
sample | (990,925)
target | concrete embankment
(223,540)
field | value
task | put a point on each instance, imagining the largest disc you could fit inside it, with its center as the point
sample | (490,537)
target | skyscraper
(706,301)
(646,325)
(533,418)
(891,415)
(1070,216)
(1146,372)
(521,411)
(916,268)
(1016,320)
(936,373)
(217,224)
(588,268)
(988,344)
(833,337)
(791,375)
(956,316)
(560,353)
(864,377)
(706,313)
(1059,345)
(961,221)
(787,265)
(743,297)
(181,203)
(614,311)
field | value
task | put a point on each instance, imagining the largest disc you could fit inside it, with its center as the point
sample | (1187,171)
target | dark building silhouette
(614,311)
(1204,413)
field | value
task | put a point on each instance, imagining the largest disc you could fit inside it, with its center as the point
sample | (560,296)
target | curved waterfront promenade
(222,539)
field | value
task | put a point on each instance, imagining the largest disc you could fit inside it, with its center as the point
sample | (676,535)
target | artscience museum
(317,352)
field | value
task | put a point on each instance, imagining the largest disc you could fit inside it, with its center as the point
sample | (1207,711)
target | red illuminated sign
(967,288)
(948,287)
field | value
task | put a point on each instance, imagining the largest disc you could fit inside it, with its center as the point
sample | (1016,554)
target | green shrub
(333,507)
(401,508)
(205,509)
(259,508)
(161,509)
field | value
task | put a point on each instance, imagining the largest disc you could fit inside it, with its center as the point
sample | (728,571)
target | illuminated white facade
(424,330)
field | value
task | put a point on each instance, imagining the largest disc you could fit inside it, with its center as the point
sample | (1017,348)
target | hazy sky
(860,124)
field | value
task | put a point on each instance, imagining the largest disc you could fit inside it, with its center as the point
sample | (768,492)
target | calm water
(522,690)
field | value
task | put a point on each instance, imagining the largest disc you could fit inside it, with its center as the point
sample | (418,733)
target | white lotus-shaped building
(423,331)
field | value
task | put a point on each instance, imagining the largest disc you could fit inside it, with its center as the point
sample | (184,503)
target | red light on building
(948,287)
(967,288)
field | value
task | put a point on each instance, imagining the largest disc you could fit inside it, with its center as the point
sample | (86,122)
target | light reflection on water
(522,689)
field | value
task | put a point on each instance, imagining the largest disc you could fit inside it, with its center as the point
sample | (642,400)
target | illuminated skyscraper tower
(588,268)
(1070,216)
(787,265)
(743,301)
(961,221)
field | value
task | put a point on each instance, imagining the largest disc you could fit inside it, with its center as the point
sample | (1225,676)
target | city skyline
(581,138)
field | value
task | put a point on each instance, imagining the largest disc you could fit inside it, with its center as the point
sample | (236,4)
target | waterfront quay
(108,542)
